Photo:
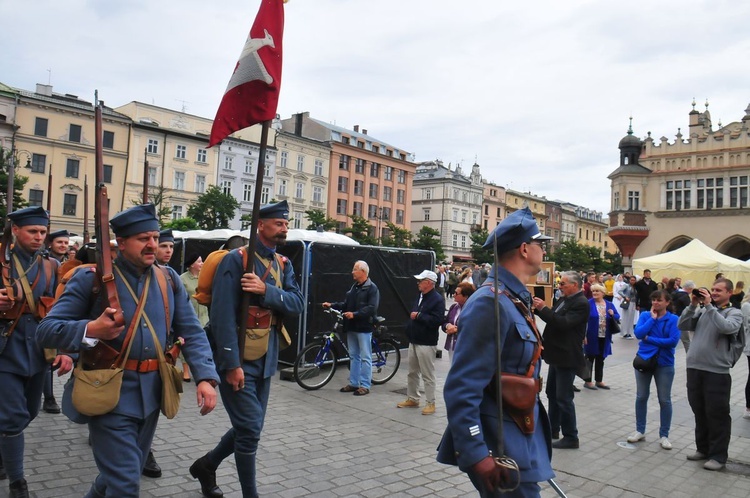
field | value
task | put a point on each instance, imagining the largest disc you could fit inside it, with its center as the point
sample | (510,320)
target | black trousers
(708,395)
(562,409)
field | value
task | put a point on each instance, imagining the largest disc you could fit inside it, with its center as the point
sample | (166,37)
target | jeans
(360,358)
(708,395)
(664,375)
(562,410)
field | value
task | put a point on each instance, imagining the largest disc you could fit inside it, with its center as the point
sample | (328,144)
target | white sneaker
(665,444)
(636,436)
(747,413)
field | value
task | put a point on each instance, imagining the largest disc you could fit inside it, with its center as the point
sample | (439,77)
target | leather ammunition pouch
(519,399)
(258,327)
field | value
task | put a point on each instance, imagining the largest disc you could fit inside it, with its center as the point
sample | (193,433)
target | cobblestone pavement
(328,444)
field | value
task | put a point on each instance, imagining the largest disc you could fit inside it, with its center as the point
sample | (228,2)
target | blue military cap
(514,230)
(58,234)
(138,219)
(35,215)
(278,210)
(166,236)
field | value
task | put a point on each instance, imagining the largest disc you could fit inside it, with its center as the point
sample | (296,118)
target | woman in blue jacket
(657,330)
(598,342)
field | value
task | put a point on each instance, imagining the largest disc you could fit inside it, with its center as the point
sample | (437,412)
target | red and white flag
(252,94)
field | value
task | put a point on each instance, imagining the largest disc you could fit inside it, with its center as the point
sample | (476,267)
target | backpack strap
(162,275)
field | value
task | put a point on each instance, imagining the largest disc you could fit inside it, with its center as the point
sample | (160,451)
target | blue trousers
(663,375)
(524,490)
(360,358)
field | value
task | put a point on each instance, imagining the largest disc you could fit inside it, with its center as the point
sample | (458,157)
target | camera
(697,293)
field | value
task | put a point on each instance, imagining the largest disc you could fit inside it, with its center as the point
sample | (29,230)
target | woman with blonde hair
(597,345)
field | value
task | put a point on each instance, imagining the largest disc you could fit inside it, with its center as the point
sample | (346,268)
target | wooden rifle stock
(104,269)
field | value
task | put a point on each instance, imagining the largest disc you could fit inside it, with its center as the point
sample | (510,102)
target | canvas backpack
(736,343)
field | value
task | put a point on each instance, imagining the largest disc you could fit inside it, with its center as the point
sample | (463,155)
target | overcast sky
(538,92)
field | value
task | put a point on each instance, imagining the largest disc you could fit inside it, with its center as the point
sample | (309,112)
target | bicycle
(316,363)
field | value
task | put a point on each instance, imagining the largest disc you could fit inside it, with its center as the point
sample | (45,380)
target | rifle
(104,269)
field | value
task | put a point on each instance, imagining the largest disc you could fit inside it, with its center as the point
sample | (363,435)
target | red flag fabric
(252,94)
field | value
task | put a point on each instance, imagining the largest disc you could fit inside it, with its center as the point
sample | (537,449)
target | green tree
(157,195)
(361,230)
(398,237)
(613,262)
(318,218)
(182,224)
(213,209)
(18,184)
(429,239)
(478,238)
(574,256)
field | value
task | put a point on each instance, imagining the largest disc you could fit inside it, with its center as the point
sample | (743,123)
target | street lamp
(49,186)
(12,175)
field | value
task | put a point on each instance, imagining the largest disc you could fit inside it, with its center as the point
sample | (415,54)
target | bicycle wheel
(386,358)
(315,366)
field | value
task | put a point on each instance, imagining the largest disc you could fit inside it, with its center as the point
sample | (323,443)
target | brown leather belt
(142,366)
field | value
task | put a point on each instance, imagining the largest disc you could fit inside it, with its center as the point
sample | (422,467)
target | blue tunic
(472,411)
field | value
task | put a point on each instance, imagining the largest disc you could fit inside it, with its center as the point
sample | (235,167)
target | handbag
(97,392)
(625,304)
(646,365)
(614,325)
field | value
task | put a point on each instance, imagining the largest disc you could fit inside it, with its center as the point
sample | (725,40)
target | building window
(738,191)
(226,187)
(388,173)
(179,180)
(373,191)
(71,168)
(426,215)
(359,187)
(40,127)
(36,197)
(107,173)
(176,211)
(153,146)
(74,134)
(297,221)
(284,157)
(499,213)
(108,140)
(463,216)
(69,204)
(463,242)
(455,240)
(387,193)
(372,211)
(343,184)
(200,183)
(341,206)
(427,193)
(344,162)
(400,216)
(455,215)
(317,194)
(38,163)
(357,209)
(374,170)
(248,166)
(401,176)
(152,176)
(710,193)
(385,214)
(180,152)
(228,162)
(678,195)
(299,191)
(318,167)
(247,192)
(359,167)
(616,201)
(265,193)
(282,188)
(202,156)
(300,162)
(633,202)
(400,195)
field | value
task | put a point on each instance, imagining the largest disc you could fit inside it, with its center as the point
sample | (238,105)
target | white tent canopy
(694,261)
(293,234)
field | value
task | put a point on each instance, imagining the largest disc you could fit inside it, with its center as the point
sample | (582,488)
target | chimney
(356,128)
(298,124)
(364,132)
(43,89)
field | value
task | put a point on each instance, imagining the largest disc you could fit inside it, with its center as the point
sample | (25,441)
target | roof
(630,169)
(352,133)
(70,101)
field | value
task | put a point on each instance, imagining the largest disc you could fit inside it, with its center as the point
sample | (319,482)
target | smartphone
(539,292)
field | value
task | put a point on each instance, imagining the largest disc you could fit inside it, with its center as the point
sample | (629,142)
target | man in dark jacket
(360,306)
(563,337)
(425,319)
(645,287)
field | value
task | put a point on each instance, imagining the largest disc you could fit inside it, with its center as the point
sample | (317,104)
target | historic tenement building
(665,194)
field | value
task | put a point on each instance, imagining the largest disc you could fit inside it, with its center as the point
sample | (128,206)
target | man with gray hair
(360,306)
(680,301)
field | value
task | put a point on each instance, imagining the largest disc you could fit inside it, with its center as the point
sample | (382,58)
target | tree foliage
(318,218)
(478,238)
(182,224)
(157,195)
(429,239)
(213,209)
(19,182)
(398,237)
(361,230)
(574,256)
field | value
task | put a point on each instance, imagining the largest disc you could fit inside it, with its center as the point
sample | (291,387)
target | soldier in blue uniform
(245,383)
(121,439)
(472,410)
(22,363)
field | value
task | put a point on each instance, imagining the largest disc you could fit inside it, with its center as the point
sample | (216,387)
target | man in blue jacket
(360,306)
(121,439)
(471,439)
(426,317)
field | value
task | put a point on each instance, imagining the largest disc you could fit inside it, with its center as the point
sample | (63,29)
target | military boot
(19,489)
(50,405)
(151,469)
(206,475)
